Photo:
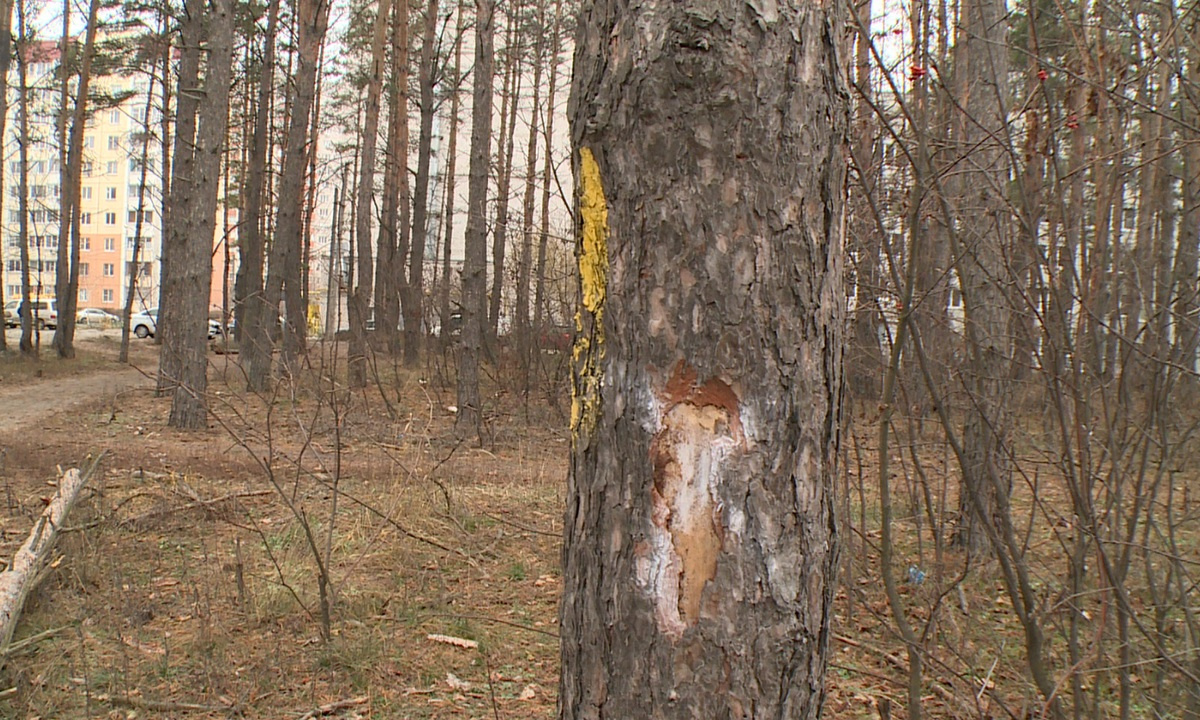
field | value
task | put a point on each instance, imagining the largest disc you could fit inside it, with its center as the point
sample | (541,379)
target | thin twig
(333,707)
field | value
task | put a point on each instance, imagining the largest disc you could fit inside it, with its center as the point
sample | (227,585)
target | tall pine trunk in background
(525,259)
(6,10)
(469,422)
(140,219)
(27,344)
(286,248)
(414,305)
(699,544)
(504,158)
(981,245)
(67,269)
(360,298)
(539,295)
(451,164)
(182,194)
(392,243)
(189,405)
(254,316)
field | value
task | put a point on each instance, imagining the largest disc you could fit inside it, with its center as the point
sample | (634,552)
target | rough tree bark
(699,552)
(181,194)
(469,419)
(189,405)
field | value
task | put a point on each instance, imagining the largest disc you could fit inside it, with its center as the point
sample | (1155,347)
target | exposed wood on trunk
(699,546)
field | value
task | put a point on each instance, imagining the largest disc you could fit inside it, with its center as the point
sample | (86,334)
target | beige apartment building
(108,193)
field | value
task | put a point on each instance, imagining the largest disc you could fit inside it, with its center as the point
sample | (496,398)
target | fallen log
(25,569)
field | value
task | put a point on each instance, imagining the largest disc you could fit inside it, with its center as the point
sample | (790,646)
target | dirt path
(25,404)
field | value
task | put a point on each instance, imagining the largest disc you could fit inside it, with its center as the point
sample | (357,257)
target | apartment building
(109,191)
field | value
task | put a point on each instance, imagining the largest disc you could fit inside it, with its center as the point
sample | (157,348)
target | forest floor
(187,583)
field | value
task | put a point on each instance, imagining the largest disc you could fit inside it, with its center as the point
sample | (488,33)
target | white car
(145,323)
(96,316)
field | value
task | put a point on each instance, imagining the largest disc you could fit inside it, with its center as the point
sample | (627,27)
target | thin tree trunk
(699,558)
(504,151)
(451,169)
(392,243)
(413,307)
(131,287)
(361,298)
(286,249)
(539,295)
(67,269)
(526,257)
(254,316)
(469,421)
(6,11)
(27,345)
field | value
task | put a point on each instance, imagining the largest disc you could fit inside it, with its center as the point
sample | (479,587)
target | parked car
(96,316)
(145,323)
(45,313)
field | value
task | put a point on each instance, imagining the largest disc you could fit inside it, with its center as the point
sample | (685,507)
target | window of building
(14,290)
(85,193)
(49,266)
(14,240)
(83,269)
(147,216)
(110,218)
(111,169)
(83,295)
(110,193)
(89,141)
(87,168)
(110,244)
(110,269)
(85,244)
(114,142)
(107,297)
(114,116)
(14,266)
(85,218)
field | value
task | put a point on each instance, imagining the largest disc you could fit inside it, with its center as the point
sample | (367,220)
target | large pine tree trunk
(182,195)
(189,406)
(699,551)
(451,157)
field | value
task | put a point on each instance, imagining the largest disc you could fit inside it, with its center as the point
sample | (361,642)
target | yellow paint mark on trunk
(593,281)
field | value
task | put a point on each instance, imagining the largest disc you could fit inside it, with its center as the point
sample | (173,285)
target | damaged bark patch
(593,281)
(700,429)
